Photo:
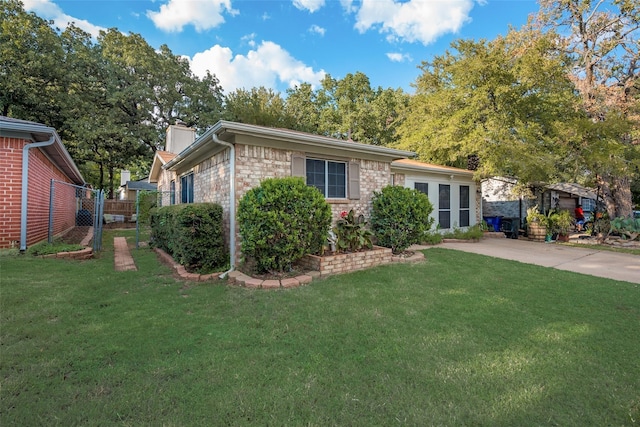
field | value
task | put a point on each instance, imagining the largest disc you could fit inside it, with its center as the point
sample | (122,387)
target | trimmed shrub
(281,221)
(400,217)
(192,233)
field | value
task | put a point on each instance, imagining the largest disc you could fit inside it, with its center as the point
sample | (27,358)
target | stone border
(82,254)
(238,278)
(182,272)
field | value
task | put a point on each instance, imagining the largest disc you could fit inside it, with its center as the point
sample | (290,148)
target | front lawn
(460,339)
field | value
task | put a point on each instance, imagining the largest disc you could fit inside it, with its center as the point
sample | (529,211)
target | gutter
(25,187)
(232,202)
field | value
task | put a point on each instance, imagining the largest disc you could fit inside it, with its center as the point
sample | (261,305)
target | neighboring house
(231,158)
(568,196)
(31,155)
(129,189)
(499,200)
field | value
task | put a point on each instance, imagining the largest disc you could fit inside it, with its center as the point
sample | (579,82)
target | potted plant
(561,223)
(536,224)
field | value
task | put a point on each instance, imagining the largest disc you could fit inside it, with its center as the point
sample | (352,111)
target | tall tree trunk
(111,189)
(616,195)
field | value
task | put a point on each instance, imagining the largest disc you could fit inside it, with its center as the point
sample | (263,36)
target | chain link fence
(75,214)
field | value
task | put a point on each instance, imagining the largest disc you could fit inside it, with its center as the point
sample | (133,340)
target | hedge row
(192,233)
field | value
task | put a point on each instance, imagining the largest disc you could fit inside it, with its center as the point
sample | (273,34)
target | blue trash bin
(493,222)
(497,223)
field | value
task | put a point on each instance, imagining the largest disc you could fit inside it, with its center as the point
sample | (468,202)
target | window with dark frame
(327,176)
(422,187)
(444,206)
(186,188)
(172,192)
(464,205)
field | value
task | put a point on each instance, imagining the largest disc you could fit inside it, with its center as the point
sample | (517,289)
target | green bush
(400,217)
(192,233)
(281,221)
(432,238)
(629,228)
(471,233)
(351,233)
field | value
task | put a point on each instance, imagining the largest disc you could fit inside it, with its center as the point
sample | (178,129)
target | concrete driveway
(611,265)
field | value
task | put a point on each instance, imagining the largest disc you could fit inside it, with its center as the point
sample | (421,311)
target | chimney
(179,137)
(125,176)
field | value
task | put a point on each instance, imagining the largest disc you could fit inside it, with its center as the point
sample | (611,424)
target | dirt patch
(75,235)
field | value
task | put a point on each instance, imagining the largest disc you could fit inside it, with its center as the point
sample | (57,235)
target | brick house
(231,158)
(31,155)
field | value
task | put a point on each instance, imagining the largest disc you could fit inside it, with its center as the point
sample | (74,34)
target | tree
(258,106)
(601,38)
(507,102)
(347,109)
(303,108)
(29,66)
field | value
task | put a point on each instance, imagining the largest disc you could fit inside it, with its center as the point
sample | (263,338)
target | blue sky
(280,43)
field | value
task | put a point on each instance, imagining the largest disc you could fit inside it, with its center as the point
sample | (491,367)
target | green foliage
(46,248)
(347,108)
(281,221)
(627,227)
(561,221)
(431,238)
(471,233)
(110,99)
(535,216)
(351,233)
(192,233)
(400,217)
(258,106)
(147,200)
(506,102)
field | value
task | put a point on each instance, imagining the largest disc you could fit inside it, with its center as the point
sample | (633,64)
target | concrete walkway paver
(600,263)
(122,255)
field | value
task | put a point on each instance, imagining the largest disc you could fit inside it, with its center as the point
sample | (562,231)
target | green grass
(46,248)
(460,339)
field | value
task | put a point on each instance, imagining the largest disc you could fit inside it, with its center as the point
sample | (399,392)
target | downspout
(25,187)
(232,202)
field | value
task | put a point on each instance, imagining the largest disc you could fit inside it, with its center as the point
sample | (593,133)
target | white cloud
(269,65)
(415,20)
(203,14)
(348,6)
(310,5)
(50,11)
(399,57)
(315,29)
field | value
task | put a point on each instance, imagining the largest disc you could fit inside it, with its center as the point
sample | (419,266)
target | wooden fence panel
(120,207)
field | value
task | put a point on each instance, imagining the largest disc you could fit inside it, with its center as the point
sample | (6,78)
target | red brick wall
(41,171)
(10,183)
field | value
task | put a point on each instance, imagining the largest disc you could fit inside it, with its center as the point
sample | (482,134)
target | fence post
(137,219)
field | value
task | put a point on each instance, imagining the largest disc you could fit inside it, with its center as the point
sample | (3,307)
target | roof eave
(57,152)
(225,128)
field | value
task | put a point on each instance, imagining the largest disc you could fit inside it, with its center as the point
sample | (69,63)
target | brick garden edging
(82,254)
(359,261)
(182,272)
(342,263)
